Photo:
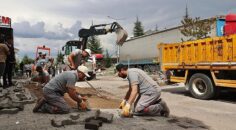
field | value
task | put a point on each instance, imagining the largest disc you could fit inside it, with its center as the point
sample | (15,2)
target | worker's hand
(83,105)
(72,67)
(122,104)
(126,110)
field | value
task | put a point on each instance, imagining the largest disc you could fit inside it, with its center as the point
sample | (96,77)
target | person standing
(10,62)
(143,92)
(4,51)
(22,68)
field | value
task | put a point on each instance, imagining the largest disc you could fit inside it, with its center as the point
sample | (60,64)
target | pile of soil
(89,93)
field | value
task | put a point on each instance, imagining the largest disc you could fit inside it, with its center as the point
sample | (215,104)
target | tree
(27,60)
(138,28)
(107,60)
(59,57)
(95,45)
(195,28)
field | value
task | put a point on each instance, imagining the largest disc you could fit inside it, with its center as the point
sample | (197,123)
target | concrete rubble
(13,99)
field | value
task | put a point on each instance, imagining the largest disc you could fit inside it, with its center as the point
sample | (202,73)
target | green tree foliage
(138,28)
(195,28)
(107,60)
(59,57)
(27,60)
(95,45)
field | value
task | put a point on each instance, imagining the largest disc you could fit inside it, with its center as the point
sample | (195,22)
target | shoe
(39,104)
(165,111)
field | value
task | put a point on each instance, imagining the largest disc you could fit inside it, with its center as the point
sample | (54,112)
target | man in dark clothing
(22,68)
(4,51)
(10,62)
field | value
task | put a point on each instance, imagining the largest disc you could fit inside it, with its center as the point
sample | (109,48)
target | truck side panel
(209,52)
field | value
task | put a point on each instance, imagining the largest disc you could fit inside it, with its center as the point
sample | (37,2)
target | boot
(165,109)
(39,104)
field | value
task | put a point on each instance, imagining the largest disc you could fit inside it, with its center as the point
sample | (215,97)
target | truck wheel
(201,86)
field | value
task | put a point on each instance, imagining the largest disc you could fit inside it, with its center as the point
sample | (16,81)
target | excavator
(101,29)
(94,30)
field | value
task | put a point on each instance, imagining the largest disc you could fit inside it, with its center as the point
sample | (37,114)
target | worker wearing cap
(75,58)
(53,101)
(146,92)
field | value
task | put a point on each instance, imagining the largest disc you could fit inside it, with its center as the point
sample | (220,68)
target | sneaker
(39,104)
(165,111)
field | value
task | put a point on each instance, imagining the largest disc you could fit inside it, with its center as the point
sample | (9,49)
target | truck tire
(201,86)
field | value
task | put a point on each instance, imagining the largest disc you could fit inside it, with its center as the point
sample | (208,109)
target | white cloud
(53,21)
(25,30)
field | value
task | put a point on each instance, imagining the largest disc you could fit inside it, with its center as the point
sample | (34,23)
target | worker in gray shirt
(75,58)
(146,92)
(53,92)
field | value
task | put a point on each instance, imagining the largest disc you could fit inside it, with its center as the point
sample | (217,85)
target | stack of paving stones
(14,98)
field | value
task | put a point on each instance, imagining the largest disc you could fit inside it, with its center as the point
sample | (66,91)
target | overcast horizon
(53,22)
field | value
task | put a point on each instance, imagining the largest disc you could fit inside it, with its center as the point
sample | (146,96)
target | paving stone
(62,122)
(91,125)
(106,117)
(9,111)
(74,116)
(92,115)
(68,122)
(97,121)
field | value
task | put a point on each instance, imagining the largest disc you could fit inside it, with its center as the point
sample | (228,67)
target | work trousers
(148,104)
(2,68)
(55,103)
(8,73)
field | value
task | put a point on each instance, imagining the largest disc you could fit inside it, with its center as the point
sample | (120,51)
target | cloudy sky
(53,22)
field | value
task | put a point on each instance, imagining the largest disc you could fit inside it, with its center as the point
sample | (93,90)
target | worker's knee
(139,108)
(64,110)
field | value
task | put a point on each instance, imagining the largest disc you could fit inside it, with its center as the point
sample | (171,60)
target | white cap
(88,51)
(84,70)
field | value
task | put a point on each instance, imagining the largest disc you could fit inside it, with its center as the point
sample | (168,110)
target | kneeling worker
(148,101)
(53,92)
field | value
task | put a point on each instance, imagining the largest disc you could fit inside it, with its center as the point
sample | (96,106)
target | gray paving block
(91,125)
(106,117)
(97,121)
(74,116)
(9,111)
(63,122)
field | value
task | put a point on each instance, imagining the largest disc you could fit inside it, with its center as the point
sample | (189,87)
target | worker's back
(61,81)
(145,83)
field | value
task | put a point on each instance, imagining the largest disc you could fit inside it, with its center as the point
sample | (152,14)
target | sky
(53,22)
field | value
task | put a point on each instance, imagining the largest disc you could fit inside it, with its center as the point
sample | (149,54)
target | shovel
(98,93)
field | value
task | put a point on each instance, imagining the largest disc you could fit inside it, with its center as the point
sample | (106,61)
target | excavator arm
(101,29)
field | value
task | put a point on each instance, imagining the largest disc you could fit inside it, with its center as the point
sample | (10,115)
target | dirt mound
(89,93)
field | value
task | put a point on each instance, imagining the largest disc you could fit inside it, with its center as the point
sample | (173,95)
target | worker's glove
(122,104)
(126,110)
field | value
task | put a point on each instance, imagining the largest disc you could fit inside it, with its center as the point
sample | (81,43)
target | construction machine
(94,30)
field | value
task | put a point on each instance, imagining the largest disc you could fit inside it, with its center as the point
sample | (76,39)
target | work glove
(122,104)
(126,110)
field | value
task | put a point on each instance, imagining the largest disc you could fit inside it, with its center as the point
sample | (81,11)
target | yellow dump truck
(203,65)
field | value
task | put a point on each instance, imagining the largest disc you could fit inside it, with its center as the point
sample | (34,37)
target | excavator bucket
(121,36)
